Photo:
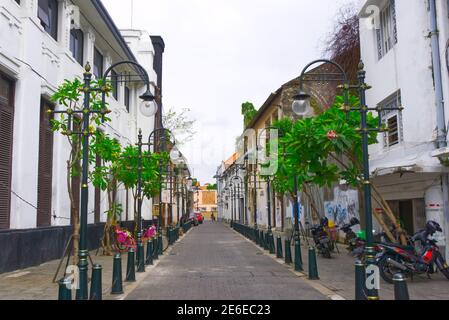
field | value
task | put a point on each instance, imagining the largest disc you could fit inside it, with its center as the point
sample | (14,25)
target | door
(6,140)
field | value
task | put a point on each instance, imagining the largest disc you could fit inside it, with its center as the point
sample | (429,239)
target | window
(392,119)
(48,15)
(6,138)
(127,98)
(98,64)
(387,34)
(45,168)
(114,84)
(77,45)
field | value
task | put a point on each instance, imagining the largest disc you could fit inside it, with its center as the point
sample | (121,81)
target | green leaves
(248,112)
(321,150)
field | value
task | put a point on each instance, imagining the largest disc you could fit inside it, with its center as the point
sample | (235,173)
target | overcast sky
(221,53)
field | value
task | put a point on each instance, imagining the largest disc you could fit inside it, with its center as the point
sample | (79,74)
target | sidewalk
(337,274)
(35,283)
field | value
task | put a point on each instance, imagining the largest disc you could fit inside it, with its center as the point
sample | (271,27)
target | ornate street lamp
(165,135)
(301,106)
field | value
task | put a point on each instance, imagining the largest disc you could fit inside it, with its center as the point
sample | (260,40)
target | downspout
(439,99)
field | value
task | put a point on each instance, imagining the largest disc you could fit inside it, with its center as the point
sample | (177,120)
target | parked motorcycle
(322,241)
(418,258)
(355,241)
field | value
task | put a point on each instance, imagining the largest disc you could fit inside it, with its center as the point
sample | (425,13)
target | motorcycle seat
(397,245)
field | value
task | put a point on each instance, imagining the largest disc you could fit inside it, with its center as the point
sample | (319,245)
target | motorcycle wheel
(442,266)
(387,272)
(326,252)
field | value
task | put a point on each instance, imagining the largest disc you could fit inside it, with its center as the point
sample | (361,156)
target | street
(212,262)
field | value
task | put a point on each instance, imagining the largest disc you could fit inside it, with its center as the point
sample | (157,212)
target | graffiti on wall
(344,206)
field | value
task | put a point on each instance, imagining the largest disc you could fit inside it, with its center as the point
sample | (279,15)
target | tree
(105,177)
(248,112)
(343,42)
(180,125)
(69,97)
(212,187)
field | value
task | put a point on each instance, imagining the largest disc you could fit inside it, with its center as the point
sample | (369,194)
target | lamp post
(165,132)
(148,108)
(238,208)
(301,106)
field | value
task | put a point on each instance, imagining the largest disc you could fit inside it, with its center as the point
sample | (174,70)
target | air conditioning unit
(74,13)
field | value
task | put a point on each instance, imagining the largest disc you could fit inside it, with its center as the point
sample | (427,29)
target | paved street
(214,262)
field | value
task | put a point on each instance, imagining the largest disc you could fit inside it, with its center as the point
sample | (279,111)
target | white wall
(39,64)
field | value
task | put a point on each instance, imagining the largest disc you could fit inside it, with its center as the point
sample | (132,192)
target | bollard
(160,245)
(155,248)
(141,258)
(256,236)
(313,269)
(288,252)
(279,248)
(65,293)
(400,287)
(117,286)
(149,259)
(96,291)
(360,278)
(266,244)
(131,266)
(298,256)
(261,239)
(271,246)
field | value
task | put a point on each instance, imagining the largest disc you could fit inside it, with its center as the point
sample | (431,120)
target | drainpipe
(441,120)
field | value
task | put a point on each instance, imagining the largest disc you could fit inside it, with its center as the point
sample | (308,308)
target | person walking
(212,217)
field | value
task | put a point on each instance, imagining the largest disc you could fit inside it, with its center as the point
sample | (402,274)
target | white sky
(221,53)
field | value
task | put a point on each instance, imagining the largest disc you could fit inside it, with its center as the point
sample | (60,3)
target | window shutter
(6,138)
(45,169)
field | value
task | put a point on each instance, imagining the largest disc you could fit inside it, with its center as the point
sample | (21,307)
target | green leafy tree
(248,112)
(69,97)
(105,176)
(321,150)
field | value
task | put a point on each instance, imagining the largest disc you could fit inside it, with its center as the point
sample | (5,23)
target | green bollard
(400,287)
(256,236)
(261,239)
(141,259)
(131,266)
(160,245)
(96,291)
(360,279)
(155,248)
(266,244)
(117,285)
(64,292)
(149,259)
(288,252)
(279,248)
(272,249)
(313,269)
(298,256)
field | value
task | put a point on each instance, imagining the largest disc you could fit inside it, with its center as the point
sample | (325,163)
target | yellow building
(205,201)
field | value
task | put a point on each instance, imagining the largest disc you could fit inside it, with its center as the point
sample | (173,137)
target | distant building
(205,201)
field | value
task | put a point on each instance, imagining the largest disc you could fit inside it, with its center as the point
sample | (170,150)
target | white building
(42,43)
(404,46)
